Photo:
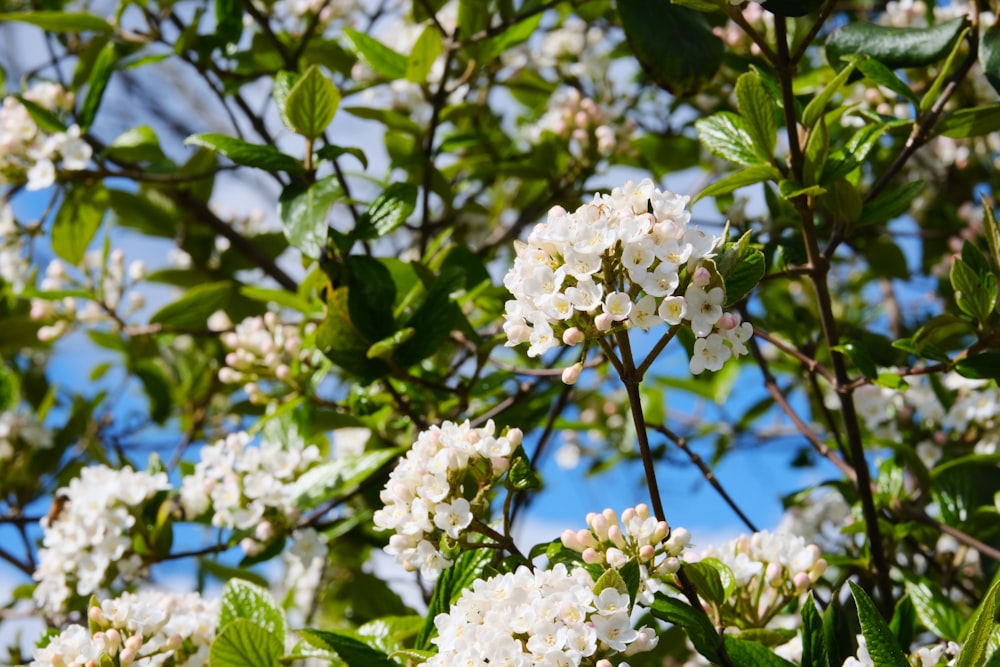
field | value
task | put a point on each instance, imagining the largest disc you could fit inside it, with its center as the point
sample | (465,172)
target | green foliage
(311,104)
(894,47)
(882,645)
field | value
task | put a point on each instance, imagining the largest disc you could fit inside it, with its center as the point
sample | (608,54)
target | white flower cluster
(769,570)
(14,266)
(542,617)
(638,535)
(261,349)
(935,655)
(20,434)
(146,628)
(438,488)
(247,487)
(577,121)
(89,542)
(625,259)
(28,153)
(105,277)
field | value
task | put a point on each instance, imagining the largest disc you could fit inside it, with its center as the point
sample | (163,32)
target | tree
(358,376)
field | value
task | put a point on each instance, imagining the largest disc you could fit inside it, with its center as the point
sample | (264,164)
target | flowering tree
(473,260)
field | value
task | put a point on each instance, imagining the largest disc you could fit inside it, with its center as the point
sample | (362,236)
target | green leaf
(332,152)
(746,275)
(861,358)
(757,173)
(284,81)
(975,122)
(975,292)
(944,75)
(44,118)
(992,233)
(303,213)
(243,643)
(813,645)
(725,135)
(77,221)
(904,621)
(157,389)
(890,204)
(758,111)
(610,579)
(100,74)
(60,21)
(894,47)
(706,576)
(228,20)
(817,105)
(937,613)
(425,51)
(989,55)
(371,293)
(196,305)
(884,76)
(816,152)
(247,154)
(242,600)
(337,478)
(881,644)
(386,62)
(434,319)
(312,103)
(350,649)
(982,627)
(387,211)
(675,45)
(136,145)
(742,652)
(699,628)
(983,366)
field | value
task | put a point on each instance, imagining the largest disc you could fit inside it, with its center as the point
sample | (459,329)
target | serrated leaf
(388,211)
(338,478)
(813,644)
(937,613)
(758,111)
(247,154)
(890,204)
(725,135)
(610,579)
(60,21)
(77,221)
(303,213)
(746,275)
(742,652)
(748,176)
(894,47)
(423,54)
(675,45)
(243,643)
(312,103)
(352,650)
(242,600)
(386,62)
(284,81)
(881,644)
(982,627)
(705,576)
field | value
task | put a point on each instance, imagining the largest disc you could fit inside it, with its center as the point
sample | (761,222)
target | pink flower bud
(96,615)
(642,511)
(569,540)
(615,535)
(603,321)
(660,532)
(586,538)
(774,573)
(701,277)
(646,552)
(126,657)
(600,526)
(592,556)
(572,336)
(134,642)
(283,372)
(572,374)
(500,464)
(728,321)
(628,514)
(801,582)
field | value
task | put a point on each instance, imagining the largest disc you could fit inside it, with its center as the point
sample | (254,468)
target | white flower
(709,354)
(704,308)
(673,310)
(41,175)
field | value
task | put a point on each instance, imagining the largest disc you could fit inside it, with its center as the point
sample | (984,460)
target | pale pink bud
(728,321)
(600,526)
(628,514)
(90,663)
(660,532)
(175,641)
(283,372)
(646,552)
(592,556)
(818,568)
(250,546)
(774,573)
(603,662)
(134,642)
(569,540)
(572,374)
(572,336)
(615,535)
(500,464)
(96,614)
(701,277)
(801,582)
(586,538)
(114,639)
(126,657)
(603,321)
(642,511)
(669,566)
(610,516)
(264,531)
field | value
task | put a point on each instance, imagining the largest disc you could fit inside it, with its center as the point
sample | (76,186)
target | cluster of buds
(262,349)
(28,154)
(769,571)
(578,121)
(611,542)
(105,276)
(438,488)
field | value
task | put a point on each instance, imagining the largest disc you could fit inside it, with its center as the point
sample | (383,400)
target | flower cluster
(934,655)
(14,266)
(260,349)
(625,259)
(769,570)
(146,628)
(247,487)
(89,542)
(304,561)
(28,153)
(20,434)
(578,122)
(638,535)
(541,617)
(105,276)
(437,489)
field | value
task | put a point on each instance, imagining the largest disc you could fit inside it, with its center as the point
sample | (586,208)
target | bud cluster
(262,349)
(437,489)
(628,259)
(579,122)
(145,628)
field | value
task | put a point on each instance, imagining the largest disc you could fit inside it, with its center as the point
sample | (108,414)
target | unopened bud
(701,277)
(728,321)
(646,552)
(801,582)
(592,556)
(569,540)
(572,374)
(603,322)
(615,535)
(126,657)
(573,336)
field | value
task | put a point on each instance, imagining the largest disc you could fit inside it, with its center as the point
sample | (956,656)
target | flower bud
(801,582)
(603,321)
(572,374)
(774,574)
(573,336)
(728,321)
(592,556)
(134,642)
(569,540)
(701,277)
(615,535)
(126,657)
(646,552)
